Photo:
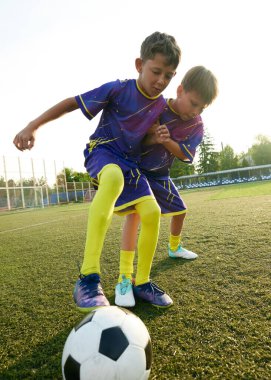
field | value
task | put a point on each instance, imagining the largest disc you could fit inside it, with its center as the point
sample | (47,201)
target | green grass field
(219,326)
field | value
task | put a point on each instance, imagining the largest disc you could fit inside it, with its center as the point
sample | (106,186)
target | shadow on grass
(167,264)
(43,363)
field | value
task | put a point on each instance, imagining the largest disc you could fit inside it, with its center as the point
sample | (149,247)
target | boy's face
(189,104)
(154,75)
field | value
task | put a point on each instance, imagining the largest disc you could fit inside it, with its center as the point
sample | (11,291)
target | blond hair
(202,81)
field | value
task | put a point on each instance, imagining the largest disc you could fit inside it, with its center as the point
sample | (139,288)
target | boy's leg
(128,245)
(175,249)
(149,212)
(176,225)
(88,292)
(111,183)
(170,202)
(124,292)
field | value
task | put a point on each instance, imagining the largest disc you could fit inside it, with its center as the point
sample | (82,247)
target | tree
(244,160)
(228,159)
(73,176)
(69,175)
(2,182)
(208,157)
(261,151)
(81,177)
(179,169)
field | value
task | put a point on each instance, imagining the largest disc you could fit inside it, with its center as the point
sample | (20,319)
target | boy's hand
(162,134)
(25,139)
(153,128)
(157,134)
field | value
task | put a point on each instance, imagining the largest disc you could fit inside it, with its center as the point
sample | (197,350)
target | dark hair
(161,43)
(202,81)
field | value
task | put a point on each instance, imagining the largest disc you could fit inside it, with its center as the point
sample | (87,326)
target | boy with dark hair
(130,107)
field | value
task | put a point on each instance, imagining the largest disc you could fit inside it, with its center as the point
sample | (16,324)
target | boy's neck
(171,103)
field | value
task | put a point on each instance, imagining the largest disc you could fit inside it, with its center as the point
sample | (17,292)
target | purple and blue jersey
(127,114)
(157,160)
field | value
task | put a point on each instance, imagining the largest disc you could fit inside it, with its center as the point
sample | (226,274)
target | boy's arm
(25,139)
(160,135)
(174,148)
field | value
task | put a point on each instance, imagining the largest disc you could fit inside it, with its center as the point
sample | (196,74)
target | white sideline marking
(31,225)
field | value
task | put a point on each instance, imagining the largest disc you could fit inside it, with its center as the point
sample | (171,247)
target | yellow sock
(174,242)
(149,212)
(126,264)
(111,183)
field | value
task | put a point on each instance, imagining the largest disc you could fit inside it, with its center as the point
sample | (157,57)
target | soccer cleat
(182,253)
(152,294)
(124,295)
(88,293)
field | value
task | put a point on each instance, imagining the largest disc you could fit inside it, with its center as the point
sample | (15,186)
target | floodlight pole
(65,182)
(75,193)
(57,194)
(6,180)
(21,182)
(34,182)
(46,184)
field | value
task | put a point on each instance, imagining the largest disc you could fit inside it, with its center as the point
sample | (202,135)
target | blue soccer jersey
(127,115)
(156,160)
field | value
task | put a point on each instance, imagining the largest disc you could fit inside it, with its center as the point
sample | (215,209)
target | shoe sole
(153,304)
(117,304)
(161,307)
(184,258)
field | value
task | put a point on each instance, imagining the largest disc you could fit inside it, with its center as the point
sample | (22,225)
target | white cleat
(124,295)
(182,253)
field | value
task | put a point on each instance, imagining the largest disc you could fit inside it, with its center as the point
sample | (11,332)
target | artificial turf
(219,325)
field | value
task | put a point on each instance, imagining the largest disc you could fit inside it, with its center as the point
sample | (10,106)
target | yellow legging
(149,212)
(111,183)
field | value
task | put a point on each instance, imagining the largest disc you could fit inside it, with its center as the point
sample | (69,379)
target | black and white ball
(109,343)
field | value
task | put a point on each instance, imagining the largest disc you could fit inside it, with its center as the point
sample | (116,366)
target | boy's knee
(149,211)
(112,177)
(156,210)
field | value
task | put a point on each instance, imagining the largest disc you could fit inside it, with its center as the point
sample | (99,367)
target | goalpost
(21,197)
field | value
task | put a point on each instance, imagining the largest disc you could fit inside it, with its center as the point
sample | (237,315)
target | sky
(54,49)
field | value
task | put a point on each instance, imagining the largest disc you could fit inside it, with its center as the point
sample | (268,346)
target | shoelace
(91,285)
(124,285)
(154,287)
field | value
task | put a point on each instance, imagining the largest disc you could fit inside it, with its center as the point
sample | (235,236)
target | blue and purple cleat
(88,293)
(151,293)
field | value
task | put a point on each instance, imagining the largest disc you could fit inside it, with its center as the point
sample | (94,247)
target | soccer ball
(109,343)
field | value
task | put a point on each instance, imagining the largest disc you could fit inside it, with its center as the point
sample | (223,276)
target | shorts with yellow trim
(166,195)
(136,186)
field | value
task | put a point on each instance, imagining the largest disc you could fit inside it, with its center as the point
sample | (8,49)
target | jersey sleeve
(189,146)
(93,101)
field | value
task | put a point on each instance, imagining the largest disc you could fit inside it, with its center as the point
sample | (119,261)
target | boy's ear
(180,90)
(138,65)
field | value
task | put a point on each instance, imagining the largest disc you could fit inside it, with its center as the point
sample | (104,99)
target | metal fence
(27,183)
(41,196)
(225,177)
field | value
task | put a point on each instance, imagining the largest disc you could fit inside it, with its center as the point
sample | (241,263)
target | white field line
(34,225)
